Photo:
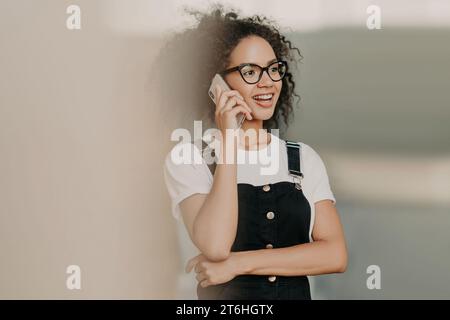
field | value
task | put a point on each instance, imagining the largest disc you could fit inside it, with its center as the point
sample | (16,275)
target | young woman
(260,236)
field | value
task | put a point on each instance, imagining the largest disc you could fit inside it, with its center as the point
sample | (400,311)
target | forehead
(252,49)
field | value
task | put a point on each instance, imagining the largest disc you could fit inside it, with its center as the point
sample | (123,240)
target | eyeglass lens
(252,73)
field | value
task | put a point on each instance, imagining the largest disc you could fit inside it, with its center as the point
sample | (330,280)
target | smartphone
(224,86)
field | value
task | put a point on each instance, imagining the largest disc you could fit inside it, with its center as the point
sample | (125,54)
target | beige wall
(80,162)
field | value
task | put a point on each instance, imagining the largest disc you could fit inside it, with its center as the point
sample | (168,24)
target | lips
(264,100)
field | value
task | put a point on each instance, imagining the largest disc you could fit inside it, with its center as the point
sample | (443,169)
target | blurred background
(82,142)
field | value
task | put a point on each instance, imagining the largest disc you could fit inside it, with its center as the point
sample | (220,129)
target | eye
(249,73)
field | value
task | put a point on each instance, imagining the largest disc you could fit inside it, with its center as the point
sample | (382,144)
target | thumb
(191,263)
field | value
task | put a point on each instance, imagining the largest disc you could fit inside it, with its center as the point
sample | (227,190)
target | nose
(265,80)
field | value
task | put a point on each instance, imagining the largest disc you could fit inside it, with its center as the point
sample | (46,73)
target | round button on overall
(266,188)
(269,246)
(272,278)
(270,215)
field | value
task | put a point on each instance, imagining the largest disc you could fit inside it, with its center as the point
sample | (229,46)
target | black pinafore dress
(270,216)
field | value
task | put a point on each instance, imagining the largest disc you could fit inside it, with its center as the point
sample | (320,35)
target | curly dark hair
(189,60)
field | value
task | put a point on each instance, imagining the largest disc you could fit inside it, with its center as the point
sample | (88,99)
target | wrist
(240,263)
(228,149)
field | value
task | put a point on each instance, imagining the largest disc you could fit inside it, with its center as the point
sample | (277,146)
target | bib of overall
(270,216)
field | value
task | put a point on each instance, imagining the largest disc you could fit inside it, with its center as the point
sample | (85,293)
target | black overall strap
(293,153)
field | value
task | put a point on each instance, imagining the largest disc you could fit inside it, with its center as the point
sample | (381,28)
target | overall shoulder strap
(293,153)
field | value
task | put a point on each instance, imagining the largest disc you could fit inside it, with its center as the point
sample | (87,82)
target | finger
(199,267)
(231,102)
(200,276)
(236,93)
(205,283)
(224,97)
(225,102)
(191,263)
(189,266)
(249,114)
(240,109)
(246,105)
(242,102)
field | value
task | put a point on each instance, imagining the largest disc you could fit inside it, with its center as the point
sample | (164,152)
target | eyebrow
(268,62)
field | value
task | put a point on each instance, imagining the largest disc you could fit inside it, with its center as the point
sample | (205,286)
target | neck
(262,136)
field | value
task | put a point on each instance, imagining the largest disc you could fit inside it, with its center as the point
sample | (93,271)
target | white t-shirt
(183,180)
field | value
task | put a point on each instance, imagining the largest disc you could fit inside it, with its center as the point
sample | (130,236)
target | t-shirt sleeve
(185,179)
(321,185)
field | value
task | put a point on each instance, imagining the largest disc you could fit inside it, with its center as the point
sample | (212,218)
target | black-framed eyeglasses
(251,73)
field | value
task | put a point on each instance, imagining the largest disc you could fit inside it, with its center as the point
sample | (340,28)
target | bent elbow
(217,255)
(214,252)
(342,267)
(341,263)
(213,249)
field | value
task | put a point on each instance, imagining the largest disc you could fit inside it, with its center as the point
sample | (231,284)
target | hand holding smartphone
(218,80)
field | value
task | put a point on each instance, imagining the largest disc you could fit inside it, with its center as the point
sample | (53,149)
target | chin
(263,114)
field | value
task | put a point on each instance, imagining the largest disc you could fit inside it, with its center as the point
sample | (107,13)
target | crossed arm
(326,254)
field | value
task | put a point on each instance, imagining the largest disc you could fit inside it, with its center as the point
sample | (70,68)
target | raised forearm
(318,257)
(215,226)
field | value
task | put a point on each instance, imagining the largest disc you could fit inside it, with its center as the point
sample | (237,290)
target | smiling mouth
(264,100)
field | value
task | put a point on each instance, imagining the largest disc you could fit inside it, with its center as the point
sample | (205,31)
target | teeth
(263,97)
